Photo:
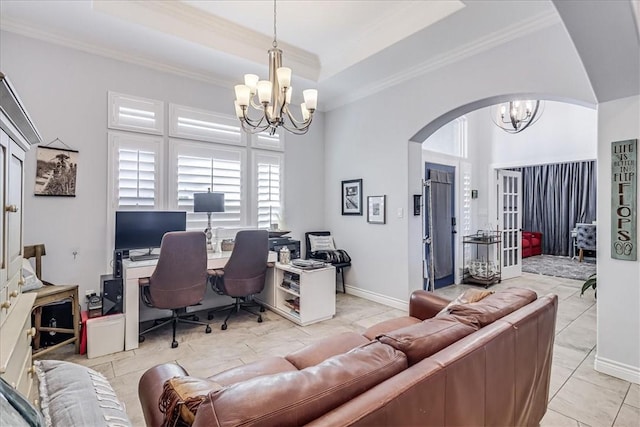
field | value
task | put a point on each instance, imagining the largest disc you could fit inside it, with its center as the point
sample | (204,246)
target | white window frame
(146,110)
(202,125)
(264,141)
(257,157)
(193,148)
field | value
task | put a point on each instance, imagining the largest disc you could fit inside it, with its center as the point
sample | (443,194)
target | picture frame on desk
(352,197)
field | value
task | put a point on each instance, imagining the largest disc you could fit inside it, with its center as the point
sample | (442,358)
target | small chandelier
(274,97)
(516,116)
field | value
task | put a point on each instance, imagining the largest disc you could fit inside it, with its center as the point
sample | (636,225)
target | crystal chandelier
(516,116)
(273,97)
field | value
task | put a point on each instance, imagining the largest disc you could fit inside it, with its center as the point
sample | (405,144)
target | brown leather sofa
(484,363)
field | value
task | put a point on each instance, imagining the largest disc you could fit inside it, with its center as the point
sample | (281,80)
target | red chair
(531,243)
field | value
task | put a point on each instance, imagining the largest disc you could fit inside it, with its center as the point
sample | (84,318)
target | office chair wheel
(262,310)
(174,344)
(208,330)
(223,327)
(209,316)
(259,319)
(140,338)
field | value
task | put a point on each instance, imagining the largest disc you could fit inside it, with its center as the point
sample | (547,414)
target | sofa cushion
(266,366)
(389,325)
(493,307)
(297,398)
(427,337)
(325,348)
(181,397)
(74,395)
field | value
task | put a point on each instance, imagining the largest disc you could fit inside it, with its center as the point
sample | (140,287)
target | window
(135,175)
(201,166)
(136,114)
(201,125)
(450,139)
(268,142)
(267,169)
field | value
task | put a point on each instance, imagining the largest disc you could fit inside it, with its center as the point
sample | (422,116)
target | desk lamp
(208,202)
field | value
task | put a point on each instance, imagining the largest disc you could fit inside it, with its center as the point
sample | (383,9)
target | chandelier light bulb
(516,116)
(243,95)
(310,99)
(264,91)
(284,77)
(251,80)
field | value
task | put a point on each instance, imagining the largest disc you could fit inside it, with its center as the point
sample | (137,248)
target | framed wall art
(352,197)
(376,209)
(56,172)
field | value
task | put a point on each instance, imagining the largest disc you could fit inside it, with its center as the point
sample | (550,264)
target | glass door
(510,221)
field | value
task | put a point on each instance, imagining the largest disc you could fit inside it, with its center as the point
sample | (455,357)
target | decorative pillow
(74,395)
(15,410)
(31,281)
(467,297)
(181,398)
(319,243)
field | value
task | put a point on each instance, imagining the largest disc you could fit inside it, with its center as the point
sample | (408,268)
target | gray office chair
(178,281)
(244,274)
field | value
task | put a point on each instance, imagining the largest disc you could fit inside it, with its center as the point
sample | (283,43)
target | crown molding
(512,32)
(50,37)
(189,23)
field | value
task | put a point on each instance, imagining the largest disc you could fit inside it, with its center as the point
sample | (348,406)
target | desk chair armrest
(424,305)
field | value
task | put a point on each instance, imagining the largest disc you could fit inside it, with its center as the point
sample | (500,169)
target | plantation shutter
(221,172)
(268,170)
(136,179)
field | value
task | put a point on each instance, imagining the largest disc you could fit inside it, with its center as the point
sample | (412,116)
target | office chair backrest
(245,272)
(180,277)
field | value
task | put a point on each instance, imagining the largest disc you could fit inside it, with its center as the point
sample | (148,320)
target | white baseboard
(617,369)
(375,297)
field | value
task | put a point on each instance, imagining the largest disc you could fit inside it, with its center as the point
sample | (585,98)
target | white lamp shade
(264,91)
(243,94)
(305,112)
(310,98)
(251,80)
(284,76)
(239,113)
(288,95)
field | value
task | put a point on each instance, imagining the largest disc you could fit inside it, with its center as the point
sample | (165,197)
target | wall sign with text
(624,194)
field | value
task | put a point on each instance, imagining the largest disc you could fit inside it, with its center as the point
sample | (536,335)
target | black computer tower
(112,294)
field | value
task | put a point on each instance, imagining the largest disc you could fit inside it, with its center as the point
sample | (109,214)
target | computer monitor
(144,229)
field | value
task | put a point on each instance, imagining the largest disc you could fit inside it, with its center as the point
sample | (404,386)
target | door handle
(11,208)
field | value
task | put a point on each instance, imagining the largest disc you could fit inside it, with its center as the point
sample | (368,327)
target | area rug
(559,266)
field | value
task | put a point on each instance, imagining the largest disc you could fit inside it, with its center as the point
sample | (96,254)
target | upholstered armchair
(586,239)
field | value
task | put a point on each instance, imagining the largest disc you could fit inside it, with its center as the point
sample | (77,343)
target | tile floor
(579,396)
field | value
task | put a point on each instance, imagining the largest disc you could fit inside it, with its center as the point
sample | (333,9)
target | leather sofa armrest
(424,305)
(150,388)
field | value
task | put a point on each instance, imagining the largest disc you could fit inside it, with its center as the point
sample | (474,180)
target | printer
(277,243)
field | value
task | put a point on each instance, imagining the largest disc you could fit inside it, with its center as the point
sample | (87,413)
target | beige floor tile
(603,381)
(580,400)
(555,419)
(629,416)
(633,396)
(559,376)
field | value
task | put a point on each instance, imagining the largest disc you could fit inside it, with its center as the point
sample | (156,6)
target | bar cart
(484,266)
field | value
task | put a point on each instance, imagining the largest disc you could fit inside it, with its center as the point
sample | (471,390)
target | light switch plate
(400,213)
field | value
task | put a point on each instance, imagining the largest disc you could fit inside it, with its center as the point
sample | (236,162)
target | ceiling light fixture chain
(273,97)
(516,116)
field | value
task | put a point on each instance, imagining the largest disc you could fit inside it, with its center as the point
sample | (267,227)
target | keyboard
(144,257)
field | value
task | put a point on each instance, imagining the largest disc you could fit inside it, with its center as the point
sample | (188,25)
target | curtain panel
(554,198)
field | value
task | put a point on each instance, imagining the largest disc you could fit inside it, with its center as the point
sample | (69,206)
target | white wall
(618,348)
(369,139)
(65,92)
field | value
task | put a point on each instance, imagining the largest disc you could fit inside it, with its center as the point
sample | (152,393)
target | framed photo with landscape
(56,172)
(376,209)
(352,197)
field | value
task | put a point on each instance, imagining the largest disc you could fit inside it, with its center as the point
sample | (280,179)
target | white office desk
(133,270)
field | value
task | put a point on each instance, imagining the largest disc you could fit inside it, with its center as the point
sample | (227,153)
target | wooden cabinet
(302,296)
(17,133)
